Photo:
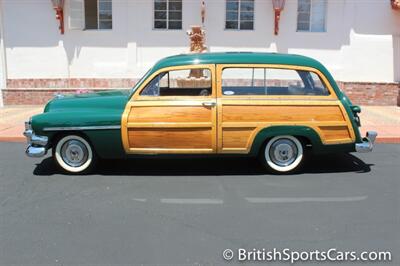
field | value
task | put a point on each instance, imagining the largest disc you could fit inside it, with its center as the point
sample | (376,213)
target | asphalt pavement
(188,211)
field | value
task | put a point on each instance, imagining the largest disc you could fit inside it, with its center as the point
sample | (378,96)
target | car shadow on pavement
(330,163)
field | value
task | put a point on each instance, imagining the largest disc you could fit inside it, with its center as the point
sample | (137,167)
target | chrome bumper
(35,152)
(37,144)
(368,142)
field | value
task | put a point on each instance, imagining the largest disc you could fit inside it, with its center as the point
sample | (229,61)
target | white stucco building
(111,43)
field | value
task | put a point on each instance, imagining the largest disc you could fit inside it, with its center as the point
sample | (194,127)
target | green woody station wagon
(274,106)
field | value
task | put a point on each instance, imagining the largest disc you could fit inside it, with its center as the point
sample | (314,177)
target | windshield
(134,88)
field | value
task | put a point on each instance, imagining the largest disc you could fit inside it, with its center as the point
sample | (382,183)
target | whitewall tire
(73,154)
(283,154)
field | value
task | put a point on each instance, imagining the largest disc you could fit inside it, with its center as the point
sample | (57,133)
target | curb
(12,139)
(385,140)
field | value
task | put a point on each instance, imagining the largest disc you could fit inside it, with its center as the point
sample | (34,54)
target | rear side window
(271,81)
(185,82)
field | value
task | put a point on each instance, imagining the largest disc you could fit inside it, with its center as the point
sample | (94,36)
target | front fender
(107,142)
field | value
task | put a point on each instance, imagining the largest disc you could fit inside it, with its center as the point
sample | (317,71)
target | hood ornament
(58,95)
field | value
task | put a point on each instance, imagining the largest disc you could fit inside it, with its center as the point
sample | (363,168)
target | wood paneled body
(241,119)
(172,125)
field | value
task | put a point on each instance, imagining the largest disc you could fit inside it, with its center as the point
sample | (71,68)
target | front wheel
(74,154)
(283,154)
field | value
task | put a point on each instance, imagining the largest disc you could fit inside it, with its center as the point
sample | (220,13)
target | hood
(114,99)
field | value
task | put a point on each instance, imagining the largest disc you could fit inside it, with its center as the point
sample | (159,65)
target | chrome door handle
(209,104)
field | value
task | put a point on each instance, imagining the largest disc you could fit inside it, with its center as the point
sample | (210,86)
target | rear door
(252,97)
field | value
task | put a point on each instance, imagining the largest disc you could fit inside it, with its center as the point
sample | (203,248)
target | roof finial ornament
(278,6)
(203,12)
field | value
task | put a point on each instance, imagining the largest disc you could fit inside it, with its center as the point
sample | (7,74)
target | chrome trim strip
(80,128)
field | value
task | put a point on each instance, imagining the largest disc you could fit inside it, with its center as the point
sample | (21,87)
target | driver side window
(185,82)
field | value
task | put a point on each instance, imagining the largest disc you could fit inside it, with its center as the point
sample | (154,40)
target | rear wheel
(283,154)
(74,154)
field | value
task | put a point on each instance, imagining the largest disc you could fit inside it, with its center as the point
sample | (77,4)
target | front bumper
(35,152)
(36,144)
(367,143)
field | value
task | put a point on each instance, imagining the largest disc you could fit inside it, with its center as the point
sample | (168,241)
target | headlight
(28,124)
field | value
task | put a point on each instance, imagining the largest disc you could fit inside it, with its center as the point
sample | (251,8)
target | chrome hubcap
(74,153)
(283,152)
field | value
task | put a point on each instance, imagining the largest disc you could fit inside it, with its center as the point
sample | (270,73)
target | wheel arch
(57,135)
(105,143)
(304,133)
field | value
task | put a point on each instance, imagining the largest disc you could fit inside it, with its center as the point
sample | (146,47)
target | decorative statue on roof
(197,34)
(197,39)
(396,4)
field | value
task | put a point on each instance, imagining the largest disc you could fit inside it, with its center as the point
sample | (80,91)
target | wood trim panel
(170,124)
(236,138)
(175,114)
(172,128)
(287,113)
(163,138)
(169,151)
(266,124)
(335,133)
(234,115)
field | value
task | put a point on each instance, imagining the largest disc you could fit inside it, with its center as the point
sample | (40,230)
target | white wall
(3,70)
(360,44)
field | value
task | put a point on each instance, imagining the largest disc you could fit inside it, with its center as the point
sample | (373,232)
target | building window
(168,14)
(98,14)
(311,15)
(239,15)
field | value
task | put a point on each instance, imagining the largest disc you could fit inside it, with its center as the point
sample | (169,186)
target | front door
(174,111)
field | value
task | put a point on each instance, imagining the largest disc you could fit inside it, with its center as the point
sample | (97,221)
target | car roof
(237,58)
(242,58)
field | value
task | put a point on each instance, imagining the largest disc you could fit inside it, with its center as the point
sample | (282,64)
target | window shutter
(76,19)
